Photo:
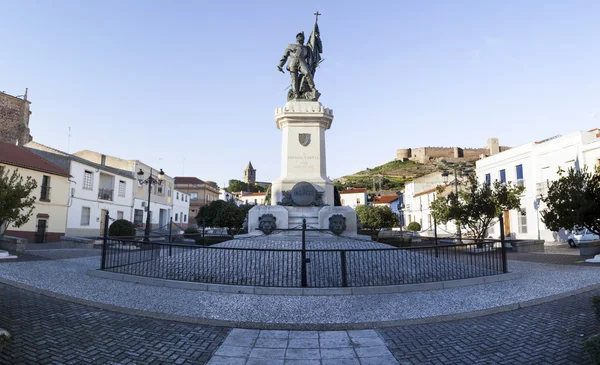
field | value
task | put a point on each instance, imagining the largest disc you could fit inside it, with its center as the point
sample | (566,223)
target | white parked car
(581,235)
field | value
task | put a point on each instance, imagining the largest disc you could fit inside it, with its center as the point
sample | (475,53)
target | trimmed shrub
(414,227)
(190,232)
(121,228)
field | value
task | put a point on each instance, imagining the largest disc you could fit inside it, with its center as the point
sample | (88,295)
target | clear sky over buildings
(191,86)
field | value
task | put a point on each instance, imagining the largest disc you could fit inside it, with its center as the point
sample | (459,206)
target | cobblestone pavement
(46,330)
(550,333)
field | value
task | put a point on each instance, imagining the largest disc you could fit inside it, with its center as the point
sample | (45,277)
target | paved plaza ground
(49,330)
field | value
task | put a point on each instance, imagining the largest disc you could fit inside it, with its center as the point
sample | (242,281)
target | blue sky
(191,86)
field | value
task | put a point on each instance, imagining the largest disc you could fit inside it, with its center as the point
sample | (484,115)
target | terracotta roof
(385,199)
(254,194)
(353,191)
(187,180)
(18,156)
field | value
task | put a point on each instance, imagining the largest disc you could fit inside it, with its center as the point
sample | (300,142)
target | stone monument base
(289,217)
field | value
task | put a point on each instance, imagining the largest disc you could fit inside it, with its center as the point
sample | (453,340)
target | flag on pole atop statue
(316,47)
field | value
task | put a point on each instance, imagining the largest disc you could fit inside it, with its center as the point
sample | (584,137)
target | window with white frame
(185,218)
(88,178)
(119,214)
(177,195)
(160,189)
(522,216)
(122,187)
(176,217)
(85,216)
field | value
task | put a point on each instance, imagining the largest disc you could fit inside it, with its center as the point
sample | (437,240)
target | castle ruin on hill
(452,154)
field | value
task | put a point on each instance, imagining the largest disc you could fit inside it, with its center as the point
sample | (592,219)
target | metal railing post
(304,261)
(170,227)
(344,273)
(105,241)
(435,237)
(503,244)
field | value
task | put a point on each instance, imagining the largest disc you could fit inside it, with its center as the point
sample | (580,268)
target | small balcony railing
(45,193)
(105,194)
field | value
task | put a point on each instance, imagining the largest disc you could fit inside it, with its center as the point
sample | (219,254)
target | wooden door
(102,219)
(506,223)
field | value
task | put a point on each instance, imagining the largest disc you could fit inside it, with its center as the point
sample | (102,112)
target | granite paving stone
(303,343)
(303,354)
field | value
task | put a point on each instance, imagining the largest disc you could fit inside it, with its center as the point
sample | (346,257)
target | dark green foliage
(190,232)
(16,199)
(375,218)
(414,227)
(573,201)
(592,347)
(397,241)
(121,228)
(237,186)
(477,205)
(221,213)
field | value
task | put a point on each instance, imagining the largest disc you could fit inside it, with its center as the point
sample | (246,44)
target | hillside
(394,175)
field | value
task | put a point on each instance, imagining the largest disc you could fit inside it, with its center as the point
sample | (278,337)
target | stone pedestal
(303,125)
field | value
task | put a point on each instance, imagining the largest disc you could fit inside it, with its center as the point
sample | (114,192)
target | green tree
(236,186)
(413,227)
(225,214)
(16,201)
(212,183)
(375,218)
(573,201)
(477,205)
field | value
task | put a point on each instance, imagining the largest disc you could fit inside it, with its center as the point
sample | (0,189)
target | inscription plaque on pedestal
(303,193)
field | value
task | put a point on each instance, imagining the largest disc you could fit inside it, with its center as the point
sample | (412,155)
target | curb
(261,290)
(306,326)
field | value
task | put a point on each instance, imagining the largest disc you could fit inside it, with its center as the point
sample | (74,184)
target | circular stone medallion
(303,193)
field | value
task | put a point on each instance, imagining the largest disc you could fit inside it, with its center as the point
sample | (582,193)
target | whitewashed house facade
(353,197)
(181,208)
(534,165)
(94,190)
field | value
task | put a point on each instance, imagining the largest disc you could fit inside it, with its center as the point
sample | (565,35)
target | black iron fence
(302,267)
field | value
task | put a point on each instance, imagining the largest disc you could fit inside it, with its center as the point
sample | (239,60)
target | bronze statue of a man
(300,56)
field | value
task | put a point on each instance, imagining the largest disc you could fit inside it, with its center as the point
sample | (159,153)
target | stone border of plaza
(307,327)
(261,290)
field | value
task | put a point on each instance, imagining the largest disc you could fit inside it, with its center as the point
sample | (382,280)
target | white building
(533,165)
(181,208)
(253,198)
(94,190)
(387,200)
(417,198)
(353,197)
(227,196)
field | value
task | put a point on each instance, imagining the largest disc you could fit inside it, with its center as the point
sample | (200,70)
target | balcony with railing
(105,194)
(45,193)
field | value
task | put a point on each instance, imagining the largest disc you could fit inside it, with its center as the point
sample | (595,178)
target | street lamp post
(400,207)
(456,169)
(149,181)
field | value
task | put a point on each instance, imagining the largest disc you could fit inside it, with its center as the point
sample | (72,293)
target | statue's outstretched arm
(284,58)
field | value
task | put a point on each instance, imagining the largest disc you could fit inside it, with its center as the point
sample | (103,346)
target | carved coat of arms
(304,139)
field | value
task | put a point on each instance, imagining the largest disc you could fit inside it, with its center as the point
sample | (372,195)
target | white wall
(80,197)
(154,208)
(540,163)
(181,208)
(350,199)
